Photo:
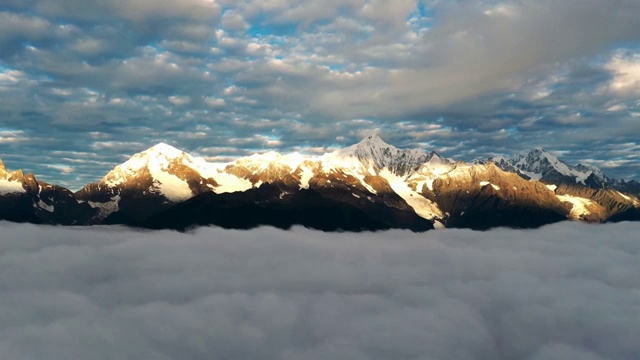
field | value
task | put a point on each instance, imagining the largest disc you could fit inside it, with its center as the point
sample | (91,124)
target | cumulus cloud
(476,48)
(495,76)
(135,10)
(626,74)
(565,291)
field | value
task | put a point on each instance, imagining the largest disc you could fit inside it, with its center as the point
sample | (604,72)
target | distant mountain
(370,185)
(538,164)
(631,186)
(23,198)
(593,195)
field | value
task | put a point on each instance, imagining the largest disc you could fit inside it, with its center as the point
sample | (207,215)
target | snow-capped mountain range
(369,185)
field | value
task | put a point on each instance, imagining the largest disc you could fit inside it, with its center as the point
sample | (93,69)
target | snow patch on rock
(169,185)
(11,187)
(305,176)
(485,183)
(579,206)
(42,205)
(229,183)
(422,206)
(106,208)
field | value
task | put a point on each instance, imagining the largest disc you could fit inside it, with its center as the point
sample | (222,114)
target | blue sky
(83,85)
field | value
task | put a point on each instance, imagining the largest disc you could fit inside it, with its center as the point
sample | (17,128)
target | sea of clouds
(567,291)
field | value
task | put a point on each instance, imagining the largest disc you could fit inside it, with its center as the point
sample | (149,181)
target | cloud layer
(566,291)
(223,78)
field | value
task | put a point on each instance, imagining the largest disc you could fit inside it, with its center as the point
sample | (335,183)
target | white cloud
(12,136)
(62,168)
(133,10)
(391,13)
(179,100)
(566,291)
(477,66)
(625,69)
(469,53)
(232,20)
(25,27)
(9,77)
(214,102)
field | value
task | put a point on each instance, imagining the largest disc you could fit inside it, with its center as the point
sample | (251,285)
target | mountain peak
(375,154)
(2,167)
(155,160)
(164,149)
(536,151)
(374,141)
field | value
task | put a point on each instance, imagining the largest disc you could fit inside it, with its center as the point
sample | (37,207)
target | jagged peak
(374,141)
(537,163)
(593,168)
(536,151)
(536,154)
(374,154)
(533,153)
(16,175)
(498,159)
(434,157)
(366,146)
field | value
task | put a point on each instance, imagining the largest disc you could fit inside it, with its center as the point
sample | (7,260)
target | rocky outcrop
(605,203)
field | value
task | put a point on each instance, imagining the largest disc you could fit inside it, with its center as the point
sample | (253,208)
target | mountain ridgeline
(367,186)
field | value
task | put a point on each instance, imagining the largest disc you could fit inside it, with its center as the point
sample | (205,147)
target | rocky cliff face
(591,195)
(596,205)
(484,196)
